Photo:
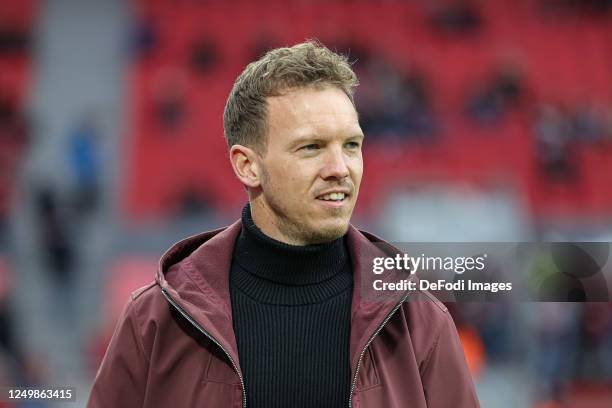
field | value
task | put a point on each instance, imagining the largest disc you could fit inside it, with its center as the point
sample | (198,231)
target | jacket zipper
(197,326)
(378,329)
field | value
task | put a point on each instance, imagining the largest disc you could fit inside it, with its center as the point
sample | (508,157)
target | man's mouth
(338,197)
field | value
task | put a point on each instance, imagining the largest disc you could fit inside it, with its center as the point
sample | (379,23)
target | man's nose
(335,164)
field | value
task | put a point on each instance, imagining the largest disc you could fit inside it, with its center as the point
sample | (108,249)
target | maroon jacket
(174,345)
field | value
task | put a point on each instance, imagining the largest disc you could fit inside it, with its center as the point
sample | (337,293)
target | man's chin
(327,233)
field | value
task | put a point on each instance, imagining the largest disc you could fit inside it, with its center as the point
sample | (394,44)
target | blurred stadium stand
(563,62)
(16,25)
(485,121)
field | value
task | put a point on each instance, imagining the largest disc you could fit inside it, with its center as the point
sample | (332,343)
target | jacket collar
(195,274)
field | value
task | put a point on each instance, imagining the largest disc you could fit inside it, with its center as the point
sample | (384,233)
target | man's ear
(245,165)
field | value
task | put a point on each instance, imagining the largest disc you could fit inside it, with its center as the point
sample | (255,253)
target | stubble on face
(293,227)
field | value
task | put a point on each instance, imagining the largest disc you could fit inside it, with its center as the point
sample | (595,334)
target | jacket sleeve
(446,378)
(121,378)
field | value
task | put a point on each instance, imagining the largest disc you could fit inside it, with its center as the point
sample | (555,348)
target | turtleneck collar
(287,264)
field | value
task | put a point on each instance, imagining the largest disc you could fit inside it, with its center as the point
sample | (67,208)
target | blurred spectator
(455,16)
(13,124)
(492,324)
(144,37)
(3,226)
(11,361)
(393,105)
(85,162)
(592,122)
(485,105)
(14,129)
(55,239)
(193,202)
(596,337)
(203,55)
(570,8)
(8,110)
(555,150)
(586,124)
(13,40)
(556,353)
(607,126)
(169,93)
(559,133)
(503,91)
(417,104)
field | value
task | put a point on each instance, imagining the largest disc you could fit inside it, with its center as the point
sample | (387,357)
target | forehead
(321,111)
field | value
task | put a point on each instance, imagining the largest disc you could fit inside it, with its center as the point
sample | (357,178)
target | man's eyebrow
(317,139)
(359,136)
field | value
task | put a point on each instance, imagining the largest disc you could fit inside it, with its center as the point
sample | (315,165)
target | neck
(280,262)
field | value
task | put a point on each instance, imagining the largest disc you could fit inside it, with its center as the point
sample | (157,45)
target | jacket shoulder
(148,308)
(148,302)
(142,290)
(150,314)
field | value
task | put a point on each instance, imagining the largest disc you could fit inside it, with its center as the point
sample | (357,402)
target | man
(270,311)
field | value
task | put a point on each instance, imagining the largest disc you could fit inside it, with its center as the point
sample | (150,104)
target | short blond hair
(279,71)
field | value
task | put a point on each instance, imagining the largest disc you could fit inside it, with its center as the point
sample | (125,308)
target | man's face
(312,167)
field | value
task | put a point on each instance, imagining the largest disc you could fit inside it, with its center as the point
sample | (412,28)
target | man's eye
(353,145)
(310,147)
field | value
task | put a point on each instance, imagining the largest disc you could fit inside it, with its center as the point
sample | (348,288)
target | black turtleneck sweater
(291,310)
